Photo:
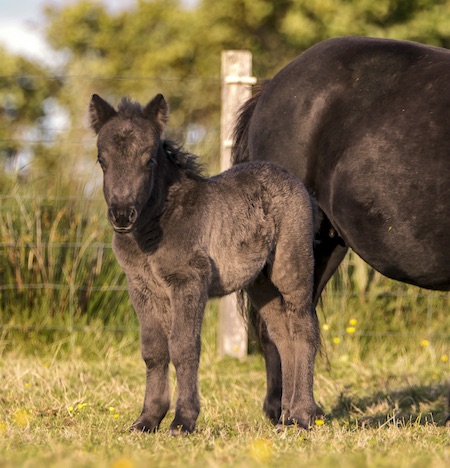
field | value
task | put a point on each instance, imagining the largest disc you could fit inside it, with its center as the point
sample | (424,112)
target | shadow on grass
(410,405)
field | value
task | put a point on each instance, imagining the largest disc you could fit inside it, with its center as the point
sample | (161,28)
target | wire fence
(58,271)
(57,275)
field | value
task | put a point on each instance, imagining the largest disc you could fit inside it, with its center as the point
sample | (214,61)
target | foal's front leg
(155,352)
(188,304)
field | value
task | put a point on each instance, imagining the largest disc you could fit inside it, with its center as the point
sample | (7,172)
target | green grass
(72,405)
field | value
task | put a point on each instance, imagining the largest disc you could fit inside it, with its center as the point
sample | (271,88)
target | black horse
(365,124)
(181,237)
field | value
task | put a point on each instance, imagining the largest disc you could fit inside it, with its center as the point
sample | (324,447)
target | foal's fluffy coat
(181,238)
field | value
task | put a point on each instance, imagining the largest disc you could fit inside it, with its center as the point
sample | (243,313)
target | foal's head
(128,145)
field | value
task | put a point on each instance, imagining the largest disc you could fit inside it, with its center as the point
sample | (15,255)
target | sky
(21,26)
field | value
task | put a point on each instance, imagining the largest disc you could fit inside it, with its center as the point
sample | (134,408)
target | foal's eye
(151,163)
(101,162)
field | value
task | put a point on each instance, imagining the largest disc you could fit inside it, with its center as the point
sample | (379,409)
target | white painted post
(237,84)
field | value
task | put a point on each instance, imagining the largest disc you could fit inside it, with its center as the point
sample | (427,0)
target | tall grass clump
(58,270)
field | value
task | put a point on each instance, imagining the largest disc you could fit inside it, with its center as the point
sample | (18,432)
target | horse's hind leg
(329,252)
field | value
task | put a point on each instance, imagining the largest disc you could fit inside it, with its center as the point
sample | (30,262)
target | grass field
(69,402)
(72,380)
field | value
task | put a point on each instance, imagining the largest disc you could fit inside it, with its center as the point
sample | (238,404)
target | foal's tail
(240,153)
(252,320)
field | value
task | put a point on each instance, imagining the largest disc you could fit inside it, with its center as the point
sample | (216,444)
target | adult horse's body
(365,124)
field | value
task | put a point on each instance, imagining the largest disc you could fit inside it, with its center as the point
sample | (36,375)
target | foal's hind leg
(272,401)
(328,256)
(292,275)
(267,300)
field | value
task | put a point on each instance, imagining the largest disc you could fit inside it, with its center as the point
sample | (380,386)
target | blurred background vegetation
(56,265)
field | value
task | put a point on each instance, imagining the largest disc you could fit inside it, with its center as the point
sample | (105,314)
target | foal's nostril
(111,215)
(132,216)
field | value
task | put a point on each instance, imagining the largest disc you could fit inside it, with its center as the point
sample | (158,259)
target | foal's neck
(167,174)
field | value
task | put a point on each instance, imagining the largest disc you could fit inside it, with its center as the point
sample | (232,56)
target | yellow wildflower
(2,427)
(22,418)
(336,340)
(261,450)
(424,343)
(325,327)
(122,463)
(353,322)
(350,330)
(444,358)
(320,422)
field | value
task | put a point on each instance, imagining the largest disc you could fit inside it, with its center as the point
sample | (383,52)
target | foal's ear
(100,112)
(157,111)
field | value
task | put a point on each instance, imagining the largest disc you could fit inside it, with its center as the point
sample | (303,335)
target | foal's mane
(128,108)
(187,162)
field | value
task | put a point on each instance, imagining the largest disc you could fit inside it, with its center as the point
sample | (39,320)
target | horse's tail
(240,153)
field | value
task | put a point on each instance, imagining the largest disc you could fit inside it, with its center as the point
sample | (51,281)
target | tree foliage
(162,39)
(24,89)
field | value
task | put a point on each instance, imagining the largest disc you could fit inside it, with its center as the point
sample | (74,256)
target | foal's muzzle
(122,218)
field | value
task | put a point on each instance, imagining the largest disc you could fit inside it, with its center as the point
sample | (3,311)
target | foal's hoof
(303,423)
(141,425)
(272,411)
(179,430)
(290,423)
(142,428)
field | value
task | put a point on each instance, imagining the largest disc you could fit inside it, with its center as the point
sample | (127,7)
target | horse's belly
(397,223)
(403,258)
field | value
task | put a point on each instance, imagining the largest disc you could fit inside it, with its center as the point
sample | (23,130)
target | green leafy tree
(426,21)
(161,46)
(24,90)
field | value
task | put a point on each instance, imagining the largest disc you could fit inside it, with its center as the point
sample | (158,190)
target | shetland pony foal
(182,238)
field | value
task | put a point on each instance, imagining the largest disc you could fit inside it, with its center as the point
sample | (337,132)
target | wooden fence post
(237,84)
